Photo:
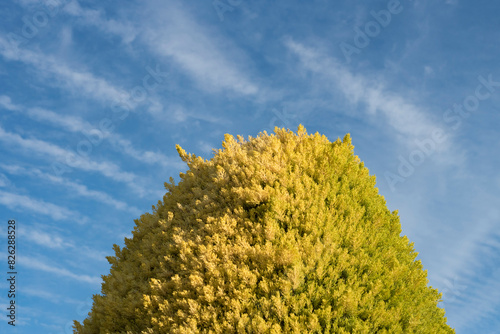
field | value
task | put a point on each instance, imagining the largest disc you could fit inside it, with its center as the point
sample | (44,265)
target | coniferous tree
(282,233)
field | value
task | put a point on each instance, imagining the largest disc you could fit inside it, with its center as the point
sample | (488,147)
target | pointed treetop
(347,139)
(301,130)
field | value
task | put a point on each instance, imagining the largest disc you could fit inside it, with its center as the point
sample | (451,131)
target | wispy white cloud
(37,235)
(75,188)
(42,2)
(462,261)
(481,300)
(81,83)
(52,240)
(480,293)
(6,102)
(178,113)
(94,254)
(408,120)
(49,296)
(205,146)
(97,18)
(41,238)
(150,157)
(38,264)
(171,32)
(94,17)
(76,124)
(16,202)
(40,147)
(69,123)
(4,181)
(34,145)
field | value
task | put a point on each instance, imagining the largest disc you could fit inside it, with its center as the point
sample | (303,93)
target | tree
(282,233)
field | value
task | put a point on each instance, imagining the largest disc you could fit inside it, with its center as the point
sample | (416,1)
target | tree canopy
(281,233)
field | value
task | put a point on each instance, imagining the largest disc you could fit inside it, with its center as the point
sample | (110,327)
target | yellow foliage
(282,233)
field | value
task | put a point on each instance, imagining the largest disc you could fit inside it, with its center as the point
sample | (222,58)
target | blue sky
(95,95)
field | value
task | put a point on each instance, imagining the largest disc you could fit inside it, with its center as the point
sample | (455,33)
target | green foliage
(283,233)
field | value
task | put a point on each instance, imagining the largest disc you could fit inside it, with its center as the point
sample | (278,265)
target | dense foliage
(282,233)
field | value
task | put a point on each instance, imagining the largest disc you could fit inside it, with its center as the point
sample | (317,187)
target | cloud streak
(172,33)
(97,18)
(408,120)
(76,124)
(81,83)
(49,240)
(17,202)
(75,188)
(37,264)
(54,241)
(63,156)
